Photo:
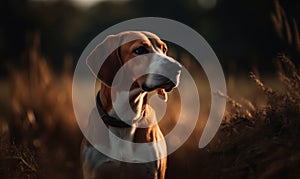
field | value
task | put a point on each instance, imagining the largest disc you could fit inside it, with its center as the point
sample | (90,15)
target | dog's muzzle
(164,72)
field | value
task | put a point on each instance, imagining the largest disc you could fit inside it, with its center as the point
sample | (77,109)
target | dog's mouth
(167,87)
(159,82)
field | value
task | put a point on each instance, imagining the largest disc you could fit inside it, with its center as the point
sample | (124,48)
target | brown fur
(117,169)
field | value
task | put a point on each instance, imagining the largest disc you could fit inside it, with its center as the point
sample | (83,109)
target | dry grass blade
(285,29)
(289,75)
(26,157)
(280,22)
(297,35)
(277,19)
(266,90)
(19,161)
(285,60)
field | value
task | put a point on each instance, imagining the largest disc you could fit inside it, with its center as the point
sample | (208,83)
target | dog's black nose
(146,88)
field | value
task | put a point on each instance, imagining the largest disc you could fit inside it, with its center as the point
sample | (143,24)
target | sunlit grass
(40,120)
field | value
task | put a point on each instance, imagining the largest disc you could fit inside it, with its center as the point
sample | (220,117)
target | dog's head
(141,44)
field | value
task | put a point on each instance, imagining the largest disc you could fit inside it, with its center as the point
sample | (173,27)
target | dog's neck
(143,113)
(145,116)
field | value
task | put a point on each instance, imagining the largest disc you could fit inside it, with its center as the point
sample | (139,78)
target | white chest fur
(96,163)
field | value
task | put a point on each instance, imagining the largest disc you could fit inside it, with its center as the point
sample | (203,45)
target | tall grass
(286,29)
(283,108)
(42,135)
(262,141)
(283,105)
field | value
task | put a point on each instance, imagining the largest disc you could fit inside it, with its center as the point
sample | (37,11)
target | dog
(118,50)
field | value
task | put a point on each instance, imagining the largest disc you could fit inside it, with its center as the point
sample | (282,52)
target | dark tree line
(238,31)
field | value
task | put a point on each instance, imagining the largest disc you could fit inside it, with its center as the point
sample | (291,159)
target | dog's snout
(175,65)
(164,72)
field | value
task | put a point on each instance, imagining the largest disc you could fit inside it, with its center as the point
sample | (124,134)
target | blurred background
(239,32)
(41,41)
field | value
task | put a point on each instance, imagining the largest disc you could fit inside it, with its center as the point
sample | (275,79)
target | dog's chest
(120,140)
(136,144)
(121,143)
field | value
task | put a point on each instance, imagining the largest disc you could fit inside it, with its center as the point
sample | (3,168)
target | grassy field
(258,136)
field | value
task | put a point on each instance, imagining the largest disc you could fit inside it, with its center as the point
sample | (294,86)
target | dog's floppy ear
(106,51)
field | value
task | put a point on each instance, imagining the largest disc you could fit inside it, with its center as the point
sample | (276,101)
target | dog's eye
(164,49)
(141,50)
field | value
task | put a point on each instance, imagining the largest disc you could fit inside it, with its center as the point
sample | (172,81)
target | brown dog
(145,46)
